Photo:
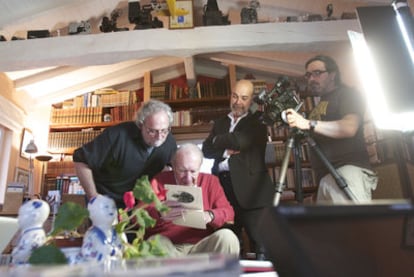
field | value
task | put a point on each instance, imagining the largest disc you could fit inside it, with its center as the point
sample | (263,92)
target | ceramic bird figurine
(32,215)
(101,241)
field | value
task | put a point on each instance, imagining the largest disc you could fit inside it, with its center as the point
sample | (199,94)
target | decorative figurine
(32,215)
(101,241)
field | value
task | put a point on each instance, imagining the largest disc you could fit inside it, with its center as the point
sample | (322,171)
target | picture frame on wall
(182,21)
(21,176)
(27,135)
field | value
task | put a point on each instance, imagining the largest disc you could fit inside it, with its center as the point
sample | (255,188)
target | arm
(85,176)
(346,127)
(230,143)
(218,210)
(209,150)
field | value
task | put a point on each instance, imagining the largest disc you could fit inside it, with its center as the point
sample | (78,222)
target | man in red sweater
(181,240)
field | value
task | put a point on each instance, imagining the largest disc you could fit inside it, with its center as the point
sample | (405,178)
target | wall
(16,113)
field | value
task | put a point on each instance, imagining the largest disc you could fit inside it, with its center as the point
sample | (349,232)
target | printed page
(192,199)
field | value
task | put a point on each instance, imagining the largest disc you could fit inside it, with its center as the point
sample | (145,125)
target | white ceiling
(57,68)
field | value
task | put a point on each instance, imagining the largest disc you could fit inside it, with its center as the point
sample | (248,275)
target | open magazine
(192,199)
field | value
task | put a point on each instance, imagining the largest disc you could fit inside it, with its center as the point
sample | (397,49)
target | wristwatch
(312,125)
(211,215)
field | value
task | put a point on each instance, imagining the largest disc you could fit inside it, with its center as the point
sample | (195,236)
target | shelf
(68,126)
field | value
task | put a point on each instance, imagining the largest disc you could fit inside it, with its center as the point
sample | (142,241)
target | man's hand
(296,120)
(231,152)
(175,210)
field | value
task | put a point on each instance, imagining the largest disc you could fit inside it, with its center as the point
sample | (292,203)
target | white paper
(192,199)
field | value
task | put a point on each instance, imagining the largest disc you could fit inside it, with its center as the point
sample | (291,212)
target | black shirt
(344,151)
(119,156)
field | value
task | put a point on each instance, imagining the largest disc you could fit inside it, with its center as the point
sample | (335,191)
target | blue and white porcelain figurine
(101,241)
(32,216)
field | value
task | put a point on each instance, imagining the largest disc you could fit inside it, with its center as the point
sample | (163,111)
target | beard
(314,87)
(238,110)
(158,142)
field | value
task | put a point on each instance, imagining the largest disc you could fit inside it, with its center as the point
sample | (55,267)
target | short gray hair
(151,107)
(190,148)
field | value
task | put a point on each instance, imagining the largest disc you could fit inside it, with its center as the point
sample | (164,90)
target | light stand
(30,149)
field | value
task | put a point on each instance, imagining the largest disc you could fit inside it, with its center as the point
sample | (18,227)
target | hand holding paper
(186,205)
(175,212)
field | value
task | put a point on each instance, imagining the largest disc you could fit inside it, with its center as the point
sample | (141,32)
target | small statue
(32,215)
(101,241)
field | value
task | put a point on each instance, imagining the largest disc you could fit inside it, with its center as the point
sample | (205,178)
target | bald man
(237,143)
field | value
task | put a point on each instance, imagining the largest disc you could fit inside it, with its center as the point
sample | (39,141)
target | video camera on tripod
(281,97)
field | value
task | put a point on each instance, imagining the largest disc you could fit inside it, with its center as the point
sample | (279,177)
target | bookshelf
(77,121)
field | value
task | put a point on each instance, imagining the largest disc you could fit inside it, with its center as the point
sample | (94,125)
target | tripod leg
(283,170)
(297,154)
(338,178)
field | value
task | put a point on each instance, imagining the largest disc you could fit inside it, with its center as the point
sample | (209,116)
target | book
(191,199)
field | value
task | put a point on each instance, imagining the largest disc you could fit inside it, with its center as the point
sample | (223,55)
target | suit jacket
(250,178)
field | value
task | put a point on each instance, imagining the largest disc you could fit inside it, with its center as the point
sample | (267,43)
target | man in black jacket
(237,144)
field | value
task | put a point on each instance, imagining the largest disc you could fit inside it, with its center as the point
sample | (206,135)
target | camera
(281,97)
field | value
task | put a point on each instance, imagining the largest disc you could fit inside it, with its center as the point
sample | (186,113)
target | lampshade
(44,158)
(31,147)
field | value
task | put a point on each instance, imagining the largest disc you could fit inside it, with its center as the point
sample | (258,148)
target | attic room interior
(74,55)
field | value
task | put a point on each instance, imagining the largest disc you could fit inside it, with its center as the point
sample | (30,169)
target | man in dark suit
(237,144)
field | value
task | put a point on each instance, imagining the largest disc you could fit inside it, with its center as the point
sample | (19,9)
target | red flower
(162,194)
(129,199)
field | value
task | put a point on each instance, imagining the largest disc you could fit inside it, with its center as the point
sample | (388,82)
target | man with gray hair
(111,163)
(182,240)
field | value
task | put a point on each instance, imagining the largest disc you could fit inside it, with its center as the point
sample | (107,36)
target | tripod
(292,144)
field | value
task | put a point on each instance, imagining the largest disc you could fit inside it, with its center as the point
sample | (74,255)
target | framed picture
(182,21)
(21,176)
(26,137)
(408,234)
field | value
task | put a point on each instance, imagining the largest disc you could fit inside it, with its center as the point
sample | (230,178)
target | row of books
(70,140)
(55,168)
(204,115)
(85,115)
(203,89)
(197,116)
(276,151)
(69,185)
(101,98)
(308,177)
(167,91)
(79,115)
(182,118)
(123,113)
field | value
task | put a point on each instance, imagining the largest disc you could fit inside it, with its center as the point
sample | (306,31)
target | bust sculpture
(31,217)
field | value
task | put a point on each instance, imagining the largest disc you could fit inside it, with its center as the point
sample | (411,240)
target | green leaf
(47,255)
(143,218)
(69,217)
(143,190)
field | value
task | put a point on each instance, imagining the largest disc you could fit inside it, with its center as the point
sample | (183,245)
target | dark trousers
(244,218)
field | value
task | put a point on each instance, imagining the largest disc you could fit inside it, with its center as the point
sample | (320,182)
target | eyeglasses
(153,132)
(314,74)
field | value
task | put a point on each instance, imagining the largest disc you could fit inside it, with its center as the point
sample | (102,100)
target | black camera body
(281,97)
(212,15)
